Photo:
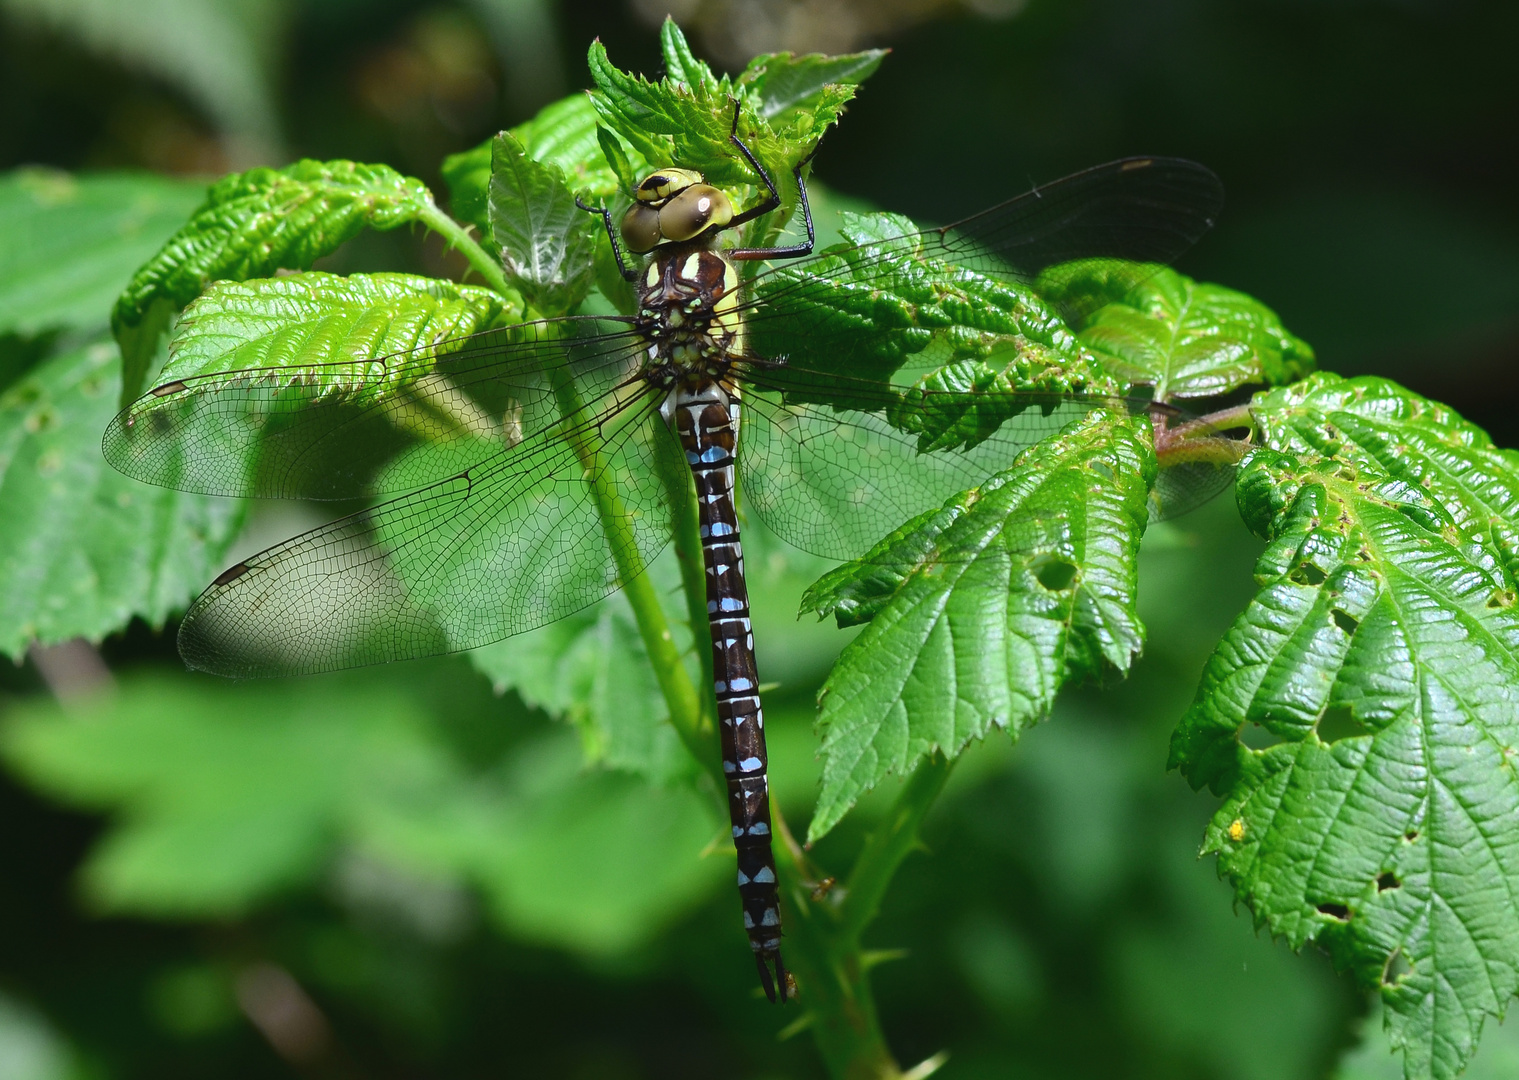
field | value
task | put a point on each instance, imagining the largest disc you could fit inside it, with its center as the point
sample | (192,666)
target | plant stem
(674,681)
(823,935)
(889,845)
(458,238)
(832,980)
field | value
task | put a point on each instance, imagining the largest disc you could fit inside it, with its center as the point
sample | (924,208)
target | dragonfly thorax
(673,206)
(688,309)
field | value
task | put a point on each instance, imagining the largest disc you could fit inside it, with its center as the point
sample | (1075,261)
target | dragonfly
(535,468)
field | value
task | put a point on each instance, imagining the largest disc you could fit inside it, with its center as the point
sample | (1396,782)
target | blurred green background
(403,873)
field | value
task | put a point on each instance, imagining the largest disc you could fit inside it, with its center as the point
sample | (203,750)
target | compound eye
(659,186)
(694,210)
(640,228)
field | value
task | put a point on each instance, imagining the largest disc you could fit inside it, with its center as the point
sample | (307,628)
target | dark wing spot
(231,574)
(167,388)
(1142,163)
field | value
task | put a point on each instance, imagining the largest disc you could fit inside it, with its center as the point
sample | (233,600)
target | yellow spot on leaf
(1237,830)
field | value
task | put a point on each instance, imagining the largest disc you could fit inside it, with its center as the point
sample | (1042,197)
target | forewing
(516,542)
(344,430)
(1126,217)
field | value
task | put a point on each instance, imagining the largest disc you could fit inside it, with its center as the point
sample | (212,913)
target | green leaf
(254,223)
(784,82)
(877,308)
(589,861)
(1373,424)
(1184,338)
(544,239)
(564,134)
(681,64)
(686,119)
(980,612)
(84,548)
(1373,1059)
(225,795)
(71,242)
(1359,718)
(317,318)
(305,339)
(591,669)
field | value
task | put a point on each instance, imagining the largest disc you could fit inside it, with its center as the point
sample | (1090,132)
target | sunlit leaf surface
(1185,338)
(1361,717)
(72,242)
(980,611)
(84,549)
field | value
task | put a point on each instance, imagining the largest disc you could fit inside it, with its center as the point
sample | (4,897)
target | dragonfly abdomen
(706,421)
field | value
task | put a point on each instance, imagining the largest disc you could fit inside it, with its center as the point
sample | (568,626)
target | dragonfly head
(673,205)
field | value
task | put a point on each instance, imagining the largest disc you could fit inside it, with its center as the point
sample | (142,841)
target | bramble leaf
(876,307)
(84,549)
(1360,718)
(254,223)
(563,134)
(591,669)
(71,242)
(314,318)
(980,611)
(304,340)
(1184,338)
(544,239)
(785,82)
(686,118)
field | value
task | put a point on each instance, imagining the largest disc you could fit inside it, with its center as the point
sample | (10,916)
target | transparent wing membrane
(1119,222)
(514,543)
(835,481)
(326,431)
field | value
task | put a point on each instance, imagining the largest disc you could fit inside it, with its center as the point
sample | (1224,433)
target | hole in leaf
(1344,620)
(1396,969)
(1335,911)
(1101,468)
(1307,574)
(1411,835)
(1501,598)
(1388,880)
(1337,723)
(1055,575)
(1255,737)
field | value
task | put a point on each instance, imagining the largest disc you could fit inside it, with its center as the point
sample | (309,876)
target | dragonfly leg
(628,274)
(771,202)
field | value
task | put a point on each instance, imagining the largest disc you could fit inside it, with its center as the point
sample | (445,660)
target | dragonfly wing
(514,543)
(835,481)
(1065,248)
(327,431)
